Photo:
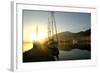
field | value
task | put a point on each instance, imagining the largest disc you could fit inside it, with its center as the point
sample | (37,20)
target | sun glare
(32,37)
(37,37)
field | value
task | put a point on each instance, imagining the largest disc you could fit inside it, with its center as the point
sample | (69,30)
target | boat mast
(54,27)
(49,29)
(52,21)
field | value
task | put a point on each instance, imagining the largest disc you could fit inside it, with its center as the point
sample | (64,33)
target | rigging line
(49,30)
(55,27)
(52,23)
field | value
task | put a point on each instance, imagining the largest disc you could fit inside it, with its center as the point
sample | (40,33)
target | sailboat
(52,28)
(52,37)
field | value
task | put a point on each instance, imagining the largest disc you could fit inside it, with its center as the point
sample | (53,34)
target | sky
(65,21)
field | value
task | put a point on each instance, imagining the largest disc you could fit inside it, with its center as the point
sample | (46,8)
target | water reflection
(74,54)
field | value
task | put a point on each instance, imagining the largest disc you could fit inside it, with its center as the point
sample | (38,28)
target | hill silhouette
(82,39)
(71,34)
